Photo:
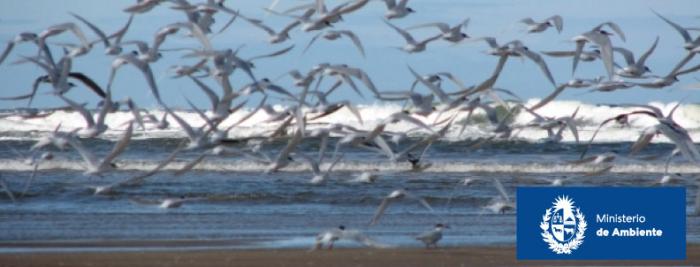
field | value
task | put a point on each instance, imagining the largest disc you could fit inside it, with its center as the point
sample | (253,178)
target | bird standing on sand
(431,238)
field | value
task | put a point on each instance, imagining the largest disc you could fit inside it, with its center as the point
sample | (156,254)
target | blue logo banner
(601,223)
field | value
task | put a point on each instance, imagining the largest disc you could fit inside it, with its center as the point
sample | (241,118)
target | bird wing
(198,33)
(74,29)
(280,90)
(160,166)
(100,33)
(144,201)
(88,82)
(501,189)
(678,72)
(491,113)
(313,39)
(7,50)
(657,111)
(345,78)
(212,125)
(405,117)
(430,39)
(361,238)
(538,117)
(643,140)
(7,190)
(335,162)
(146,70)
(390,3)
(183,124)
(528,21)
(464,23)
(312,163)
(291,145)
(584,160)
(273,54)
(50,71)
(380,211)
(440,25)
(322,146)
(549,98)
(558,22)
(453,79)
(354,111)
(384,147)
(488,83)
(353,7)
(600,171)
(407,36)
(583,154)
(140,45)
(420,200)
(106,107)
(19,97)
(426,141)
(646,54)
(571,123)
(190,165)
(628,55)
(437,91)
(673,110)
(614,27)
(213,98)
(540,61)
(559,53)
(120,146)
(87,156)
(355,40)
(80,109)
(680,137)
(577,56)
(321,7)
(368,83)
(259,24)
(119,35)
(606,50)
(490,41)
(681,30)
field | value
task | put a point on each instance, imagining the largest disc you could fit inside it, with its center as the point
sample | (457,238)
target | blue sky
(385,64)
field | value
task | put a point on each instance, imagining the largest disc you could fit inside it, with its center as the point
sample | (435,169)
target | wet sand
(463,256)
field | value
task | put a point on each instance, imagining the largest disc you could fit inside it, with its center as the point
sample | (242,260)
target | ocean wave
(588,118)
(473,166)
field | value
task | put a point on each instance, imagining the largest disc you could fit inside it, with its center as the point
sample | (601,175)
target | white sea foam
(588,118)
(360,166)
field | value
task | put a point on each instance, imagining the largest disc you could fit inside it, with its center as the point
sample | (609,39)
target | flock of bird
(307,102)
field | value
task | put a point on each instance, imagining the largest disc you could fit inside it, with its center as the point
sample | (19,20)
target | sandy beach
(463,256)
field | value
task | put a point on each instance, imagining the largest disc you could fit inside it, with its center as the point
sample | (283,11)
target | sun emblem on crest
(563,226)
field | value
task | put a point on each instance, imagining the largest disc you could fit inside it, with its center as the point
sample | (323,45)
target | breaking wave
(361,166)
(589,116)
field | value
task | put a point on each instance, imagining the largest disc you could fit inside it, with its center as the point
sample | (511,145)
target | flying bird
(394,196)
(535,26)
(412,46)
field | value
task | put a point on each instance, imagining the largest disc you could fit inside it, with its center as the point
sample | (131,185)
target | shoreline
(450,256)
